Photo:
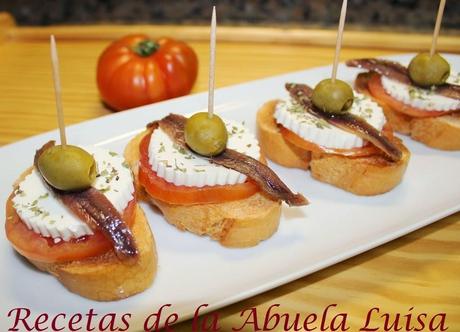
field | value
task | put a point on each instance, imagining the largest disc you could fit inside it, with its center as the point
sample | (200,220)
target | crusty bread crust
(442,132)
(241,223)
(360,175)
(272,143)
(105,277)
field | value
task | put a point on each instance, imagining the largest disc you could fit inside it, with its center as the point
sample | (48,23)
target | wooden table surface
(418,273)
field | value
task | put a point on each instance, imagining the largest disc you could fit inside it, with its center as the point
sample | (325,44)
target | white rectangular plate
(194,270)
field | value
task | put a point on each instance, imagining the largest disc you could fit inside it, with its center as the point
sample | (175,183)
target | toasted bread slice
(241,223)
(359,175)
(363,175)
(442,132)
(105,277)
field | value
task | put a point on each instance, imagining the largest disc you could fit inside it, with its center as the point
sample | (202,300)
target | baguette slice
(105,277)
(241,223)
(360,175)
(442,132)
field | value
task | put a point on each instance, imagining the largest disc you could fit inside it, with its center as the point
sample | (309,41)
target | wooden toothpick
(212,61)
(437,26)
(338,43)
(57,90)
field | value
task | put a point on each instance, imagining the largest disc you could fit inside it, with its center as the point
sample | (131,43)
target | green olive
(67,168)
(426,70)
(206,135)
(333,96)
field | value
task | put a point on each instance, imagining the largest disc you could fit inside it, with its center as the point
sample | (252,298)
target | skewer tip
(437,26)
(212,55)
(57,90)
(338,43)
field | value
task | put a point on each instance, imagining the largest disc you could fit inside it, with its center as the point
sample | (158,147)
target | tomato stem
(145,48)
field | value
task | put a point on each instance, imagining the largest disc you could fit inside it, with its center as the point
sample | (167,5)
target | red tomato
(367,150)
(36,247)
(135,70)
(378,92)
(167,192)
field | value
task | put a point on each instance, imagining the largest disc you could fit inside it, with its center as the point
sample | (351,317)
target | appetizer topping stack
(43,212)
(175,126)
(396,72)
(345,120)
(292,115)
(183,167)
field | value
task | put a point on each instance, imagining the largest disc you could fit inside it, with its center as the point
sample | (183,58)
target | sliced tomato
(160,189)
(367,150)
(36,247)
(378,92)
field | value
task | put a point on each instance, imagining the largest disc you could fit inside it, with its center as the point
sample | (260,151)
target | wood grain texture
(26,85)
(420,270)
(298,36)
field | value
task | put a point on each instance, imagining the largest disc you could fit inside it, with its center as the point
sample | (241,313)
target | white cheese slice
(454,78)
(44,213)
(425,99)
(292,116)
(185,168)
